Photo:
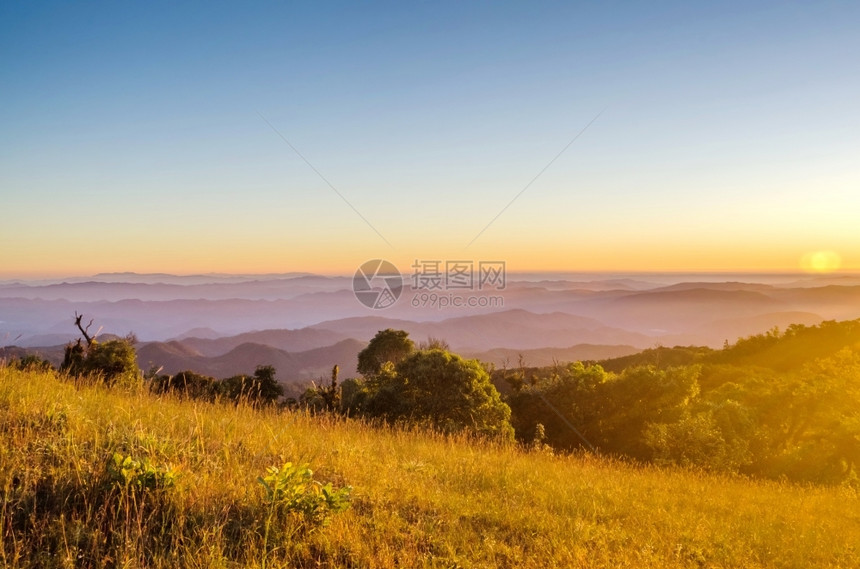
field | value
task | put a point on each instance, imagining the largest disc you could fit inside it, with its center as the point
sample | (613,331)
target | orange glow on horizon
(519,260)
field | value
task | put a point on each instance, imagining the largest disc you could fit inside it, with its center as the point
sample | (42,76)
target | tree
(696,440)
(567,402)
(387,346)
(261,388)
(111,360)
(433,343)
(638,397)
(324,398)
(332,393)
(441,389)
(73,358)
(354,396)
(186,384)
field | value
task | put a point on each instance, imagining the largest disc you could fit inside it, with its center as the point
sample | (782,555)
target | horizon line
(844,272)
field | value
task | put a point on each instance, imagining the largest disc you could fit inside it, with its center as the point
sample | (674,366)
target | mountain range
(304,324)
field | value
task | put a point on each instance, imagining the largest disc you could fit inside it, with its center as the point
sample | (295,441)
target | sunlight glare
(821,262)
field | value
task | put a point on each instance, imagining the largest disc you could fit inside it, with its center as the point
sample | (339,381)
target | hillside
(294,313)
(786,350)
(513,329)
(794,347)
(292,367)
(287,340)
(418,500)
(778,405)
(507,358)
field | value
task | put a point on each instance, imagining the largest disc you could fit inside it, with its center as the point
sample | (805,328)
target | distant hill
(216,313)
(291,367)
(698,295)
(514,329)
(43,340)
(671,312)
(502,357)
(662,357)
(724,286)
(834,302)
(200,333)
(784,350)
(288,340)
(793,347)
(717,332)
(158,290)
(52,354)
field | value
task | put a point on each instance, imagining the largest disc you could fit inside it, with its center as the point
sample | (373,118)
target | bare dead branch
(82,329)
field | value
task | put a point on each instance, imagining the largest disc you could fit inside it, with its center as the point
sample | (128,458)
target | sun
(821,262)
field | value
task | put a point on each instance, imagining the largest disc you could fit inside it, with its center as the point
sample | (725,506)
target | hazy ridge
(303,324)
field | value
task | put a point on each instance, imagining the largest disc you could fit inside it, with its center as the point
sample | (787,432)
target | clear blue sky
(131,135)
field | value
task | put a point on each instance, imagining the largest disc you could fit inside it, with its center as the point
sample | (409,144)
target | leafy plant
(292,489)
(291,492)
(387,346)
(139,473)
(444,391)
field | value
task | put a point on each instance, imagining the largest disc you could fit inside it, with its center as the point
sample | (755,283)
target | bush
(111,361)
(31,362)
(259,389)
(296,503)
(186,384)
(444,391)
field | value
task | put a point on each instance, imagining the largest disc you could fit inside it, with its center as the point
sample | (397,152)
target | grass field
(418,500)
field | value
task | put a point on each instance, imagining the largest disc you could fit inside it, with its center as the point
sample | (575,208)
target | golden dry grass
(419,500)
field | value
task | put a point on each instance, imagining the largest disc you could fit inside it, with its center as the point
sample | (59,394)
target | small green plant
(292,489)
(139,473)
(295,501)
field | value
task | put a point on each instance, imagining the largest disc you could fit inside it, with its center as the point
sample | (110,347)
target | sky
(555,136)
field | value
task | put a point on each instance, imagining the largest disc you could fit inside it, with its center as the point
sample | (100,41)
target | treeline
(774,405)
(777,405)
(400,383)
(259,388)
(114,362)
(425,385)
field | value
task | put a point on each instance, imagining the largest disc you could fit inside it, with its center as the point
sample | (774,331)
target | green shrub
(186,384)
(129,472)
(113,361)
(259,389)
(295,502)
